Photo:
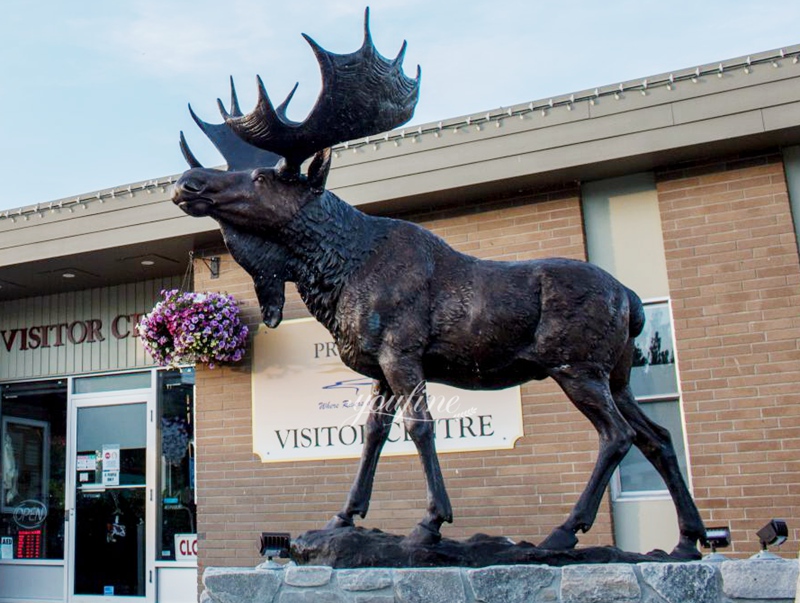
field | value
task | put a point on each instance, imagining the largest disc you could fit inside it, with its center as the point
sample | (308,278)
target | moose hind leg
(656,445)
(383,407)
(590,393)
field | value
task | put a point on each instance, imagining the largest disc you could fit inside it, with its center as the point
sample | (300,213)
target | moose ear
(318,170)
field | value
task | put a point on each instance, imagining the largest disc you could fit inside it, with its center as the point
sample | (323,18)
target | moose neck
(330,241)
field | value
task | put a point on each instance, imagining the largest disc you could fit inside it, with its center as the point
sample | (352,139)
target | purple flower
(194,327)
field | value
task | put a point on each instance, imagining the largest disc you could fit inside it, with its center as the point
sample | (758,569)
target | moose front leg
(407,381)
(419,424)
(383,407)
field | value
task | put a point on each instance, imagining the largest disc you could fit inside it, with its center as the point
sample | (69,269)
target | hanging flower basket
(187,328)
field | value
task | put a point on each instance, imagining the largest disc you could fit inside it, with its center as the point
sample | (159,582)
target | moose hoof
(686,551)
(337,521)
(423,534)
(559,539)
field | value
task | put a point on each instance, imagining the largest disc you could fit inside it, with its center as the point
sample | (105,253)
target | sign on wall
(185,547)
(76,332)
(308,405)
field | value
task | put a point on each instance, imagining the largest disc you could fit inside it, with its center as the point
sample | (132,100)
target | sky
(93,94)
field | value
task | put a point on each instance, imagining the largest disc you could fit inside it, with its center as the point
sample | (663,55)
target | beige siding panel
(540,162)
(84,243)
(434,155)
(737,101)
(102,304)
(703,90)
(785,116)
(477,132)
(96,218)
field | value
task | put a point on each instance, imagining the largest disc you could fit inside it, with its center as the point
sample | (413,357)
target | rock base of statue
(357,547)
(718,582)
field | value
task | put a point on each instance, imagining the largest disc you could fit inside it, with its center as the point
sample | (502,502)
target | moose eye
(259,176)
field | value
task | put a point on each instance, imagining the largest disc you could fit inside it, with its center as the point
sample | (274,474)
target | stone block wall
(727,582)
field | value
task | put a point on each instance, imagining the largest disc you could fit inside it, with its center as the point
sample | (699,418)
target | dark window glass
(33,467)
(177,508)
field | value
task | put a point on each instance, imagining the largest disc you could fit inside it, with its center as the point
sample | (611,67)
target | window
(177,512)
(654,382)
(33,464)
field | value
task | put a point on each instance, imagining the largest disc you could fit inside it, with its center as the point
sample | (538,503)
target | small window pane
(33,468)
(636,473)
(653,371)
(122,426)
(177,509)
(111,383)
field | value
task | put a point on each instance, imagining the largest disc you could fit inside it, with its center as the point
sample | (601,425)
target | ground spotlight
(715,538)
(774,533)
(274,544)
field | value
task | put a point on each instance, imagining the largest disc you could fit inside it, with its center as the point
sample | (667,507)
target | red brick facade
(732,262)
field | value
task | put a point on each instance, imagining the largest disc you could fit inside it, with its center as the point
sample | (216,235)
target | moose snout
(191,193)
(187,186)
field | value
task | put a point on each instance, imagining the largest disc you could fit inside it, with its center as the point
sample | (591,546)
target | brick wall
(733,271)
(522,493)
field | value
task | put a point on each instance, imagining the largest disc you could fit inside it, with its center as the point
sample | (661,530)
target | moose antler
(238,154)
(363,93)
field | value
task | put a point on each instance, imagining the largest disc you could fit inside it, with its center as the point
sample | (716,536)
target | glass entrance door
(112,508)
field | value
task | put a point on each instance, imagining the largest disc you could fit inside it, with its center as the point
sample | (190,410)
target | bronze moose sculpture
(404,308)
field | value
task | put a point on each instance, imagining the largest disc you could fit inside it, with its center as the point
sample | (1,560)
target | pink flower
(185,328)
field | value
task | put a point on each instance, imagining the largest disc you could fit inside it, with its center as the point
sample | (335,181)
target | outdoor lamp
(774,533)
(274,544)
(719,537)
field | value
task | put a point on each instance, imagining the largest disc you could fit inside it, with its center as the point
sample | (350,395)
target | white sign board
(308,405)
(6,547)
(185,547)
(110,465)
(110,457)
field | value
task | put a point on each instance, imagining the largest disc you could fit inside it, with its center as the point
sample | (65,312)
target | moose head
(363,93)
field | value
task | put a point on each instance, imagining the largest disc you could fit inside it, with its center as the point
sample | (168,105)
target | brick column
(733,270)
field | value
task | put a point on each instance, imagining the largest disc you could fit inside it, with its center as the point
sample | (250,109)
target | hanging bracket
(212,264)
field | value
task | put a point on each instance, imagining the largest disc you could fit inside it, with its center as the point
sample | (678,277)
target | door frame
(111,398)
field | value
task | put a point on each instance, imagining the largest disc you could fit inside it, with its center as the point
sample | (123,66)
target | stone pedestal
(694,582)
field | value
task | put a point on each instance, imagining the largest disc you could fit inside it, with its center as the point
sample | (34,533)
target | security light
(719,537)
(275,544)
(774,533)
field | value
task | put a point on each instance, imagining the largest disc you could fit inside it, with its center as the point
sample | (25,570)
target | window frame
(161,383)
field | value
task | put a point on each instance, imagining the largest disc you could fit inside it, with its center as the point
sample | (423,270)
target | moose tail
(636,313)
